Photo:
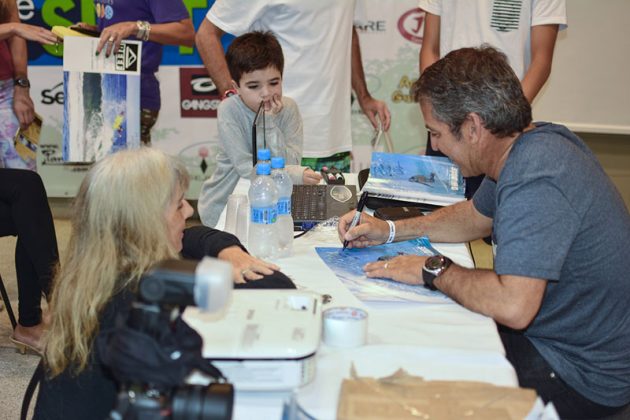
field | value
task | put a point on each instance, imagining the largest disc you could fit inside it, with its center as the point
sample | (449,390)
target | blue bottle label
(264,215)
(284,205)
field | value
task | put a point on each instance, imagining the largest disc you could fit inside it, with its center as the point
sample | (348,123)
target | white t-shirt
(316,39)
(504,24)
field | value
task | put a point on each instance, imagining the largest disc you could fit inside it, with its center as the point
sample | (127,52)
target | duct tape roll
(345,327)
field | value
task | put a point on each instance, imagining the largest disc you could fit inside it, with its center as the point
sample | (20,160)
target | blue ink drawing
(348,266)
(415,178)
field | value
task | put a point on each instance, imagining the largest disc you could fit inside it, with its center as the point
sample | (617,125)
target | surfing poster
(102,100)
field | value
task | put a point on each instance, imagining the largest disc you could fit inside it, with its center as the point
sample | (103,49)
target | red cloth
(6,63)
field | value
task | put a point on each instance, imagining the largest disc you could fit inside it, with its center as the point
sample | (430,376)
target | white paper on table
(80,55)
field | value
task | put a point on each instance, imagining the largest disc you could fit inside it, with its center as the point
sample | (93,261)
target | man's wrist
(228,93)
(434,267)
(144,30)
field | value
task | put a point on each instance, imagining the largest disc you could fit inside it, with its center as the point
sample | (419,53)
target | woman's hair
(118,232)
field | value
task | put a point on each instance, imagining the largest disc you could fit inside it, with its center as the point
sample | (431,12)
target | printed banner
(390,38)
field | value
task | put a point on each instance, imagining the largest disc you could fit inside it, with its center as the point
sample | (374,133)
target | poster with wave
(101,108)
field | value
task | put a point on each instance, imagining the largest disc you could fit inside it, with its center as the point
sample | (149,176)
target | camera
(152,350)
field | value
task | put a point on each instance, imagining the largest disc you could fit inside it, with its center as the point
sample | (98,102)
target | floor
(16,369)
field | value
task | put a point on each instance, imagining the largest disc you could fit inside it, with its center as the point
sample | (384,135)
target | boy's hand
(274,106)
(310,177)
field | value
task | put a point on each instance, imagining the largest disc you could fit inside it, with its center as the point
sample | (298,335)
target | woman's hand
(23,107)
(404,269)
(310,177)
(246,267)
(34,33)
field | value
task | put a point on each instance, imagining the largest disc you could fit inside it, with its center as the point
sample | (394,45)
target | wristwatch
(434,267)
(22,82)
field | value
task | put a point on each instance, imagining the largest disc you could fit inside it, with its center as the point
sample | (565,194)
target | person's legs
(24,212)
(148,118)
(533,371)
(342,161)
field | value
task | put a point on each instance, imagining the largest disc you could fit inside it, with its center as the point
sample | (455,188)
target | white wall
(589,87)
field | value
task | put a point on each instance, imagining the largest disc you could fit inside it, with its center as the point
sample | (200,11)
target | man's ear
(473,127)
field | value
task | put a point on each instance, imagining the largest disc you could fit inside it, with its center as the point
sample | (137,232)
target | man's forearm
(543,41)
(510,300)
(456,223)
(208,42)
(358,76)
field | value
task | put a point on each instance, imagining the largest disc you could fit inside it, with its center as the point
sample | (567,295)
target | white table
(442,341)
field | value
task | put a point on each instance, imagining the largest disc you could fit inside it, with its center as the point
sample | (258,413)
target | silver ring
(111,39)
(245,271)
(386,265)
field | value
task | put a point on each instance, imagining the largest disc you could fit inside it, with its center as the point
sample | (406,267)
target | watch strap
(22,82)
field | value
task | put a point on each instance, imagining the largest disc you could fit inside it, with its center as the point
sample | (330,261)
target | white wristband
(392,231)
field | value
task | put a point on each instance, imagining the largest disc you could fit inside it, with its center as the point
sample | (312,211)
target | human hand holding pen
(358,230)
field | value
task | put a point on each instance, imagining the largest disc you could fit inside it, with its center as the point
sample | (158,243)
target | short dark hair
(253,51)
(478,80)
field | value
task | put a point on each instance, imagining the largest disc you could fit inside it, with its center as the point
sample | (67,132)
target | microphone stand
(254,142)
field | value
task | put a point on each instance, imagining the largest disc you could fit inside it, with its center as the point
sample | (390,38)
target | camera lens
(214,401)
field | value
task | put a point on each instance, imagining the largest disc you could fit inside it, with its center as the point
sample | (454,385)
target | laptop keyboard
(309,202)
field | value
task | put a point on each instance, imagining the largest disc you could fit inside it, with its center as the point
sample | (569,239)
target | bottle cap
(277,162)
(263,154)
(263,169)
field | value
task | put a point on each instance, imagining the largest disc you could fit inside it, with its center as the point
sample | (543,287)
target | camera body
(153,350)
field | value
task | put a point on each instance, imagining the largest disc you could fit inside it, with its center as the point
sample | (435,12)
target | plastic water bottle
(264,156)
(285,220)
(263,200)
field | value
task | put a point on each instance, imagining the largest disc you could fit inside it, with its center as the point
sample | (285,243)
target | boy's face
(260,85)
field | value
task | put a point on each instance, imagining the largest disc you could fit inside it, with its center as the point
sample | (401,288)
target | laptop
(311,204)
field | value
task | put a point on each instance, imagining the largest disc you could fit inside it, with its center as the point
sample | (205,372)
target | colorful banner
(390,38)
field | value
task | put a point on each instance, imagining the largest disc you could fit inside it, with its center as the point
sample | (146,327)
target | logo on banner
(403,90)
(371,26)
(54,95)
(199,96)
(411,25)
(127,57)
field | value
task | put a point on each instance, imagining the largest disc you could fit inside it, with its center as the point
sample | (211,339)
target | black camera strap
(38,375)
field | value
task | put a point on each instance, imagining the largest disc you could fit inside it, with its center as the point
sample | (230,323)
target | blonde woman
(129,213)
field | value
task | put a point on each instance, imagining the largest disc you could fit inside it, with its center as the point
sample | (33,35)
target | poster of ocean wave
(348,264)
(101,114)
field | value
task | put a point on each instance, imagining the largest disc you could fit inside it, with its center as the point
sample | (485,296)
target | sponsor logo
(411,25)
(371,26)
(127,57)
(26,9)
(403,90)
(54,95)
(199,96)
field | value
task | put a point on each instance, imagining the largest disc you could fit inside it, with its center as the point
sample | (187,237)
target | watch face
(23,82)
(434,263)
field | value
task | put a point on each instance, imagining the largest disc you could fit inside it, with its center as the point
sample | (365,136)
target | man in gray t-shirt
(561,281)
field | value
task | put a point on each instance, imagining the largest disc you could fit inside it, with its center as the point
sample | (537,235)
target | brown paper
(402,396)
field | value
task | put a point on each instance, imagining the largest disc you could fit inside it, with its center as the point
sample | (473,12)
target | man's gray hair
(478,80)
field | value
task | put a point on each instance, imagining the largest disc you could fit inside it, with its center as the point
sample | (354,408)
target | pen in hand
(357,215)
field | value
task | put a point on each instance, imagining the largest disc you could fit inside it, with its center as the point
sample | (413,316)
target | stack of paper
(415,178)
